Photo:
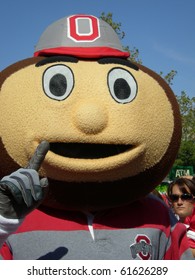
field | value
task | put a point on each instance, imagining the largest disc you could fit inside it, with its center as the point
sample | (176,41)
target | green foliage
(162,188)
(169,77)
(116,26)
(187,109)
(186,155)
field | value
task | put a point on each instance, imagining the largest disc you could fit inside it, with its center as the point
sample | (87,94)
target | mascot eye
(58,82)
(122,85)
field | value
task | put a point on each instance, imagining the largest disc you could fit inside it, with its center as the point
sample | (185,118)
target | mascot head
(113,126)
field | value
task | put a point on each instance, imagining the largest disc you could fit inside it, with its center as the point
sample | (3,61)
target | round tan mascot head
(113,126)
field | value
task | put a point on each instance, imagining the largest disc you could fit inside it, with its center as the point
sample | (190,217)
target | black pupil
(122,89)
(58,85)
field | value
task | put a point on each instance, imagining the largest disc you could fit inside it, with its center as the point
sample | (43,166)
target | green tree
(186,154)
(169,77)
(115,25)
(187,109)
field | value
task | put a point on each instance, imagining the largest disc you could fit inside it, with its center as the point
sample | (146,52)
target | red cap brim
(83,52)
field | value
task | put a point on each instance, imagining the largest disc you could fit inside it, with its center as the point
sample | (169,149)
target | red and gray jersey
(144,230)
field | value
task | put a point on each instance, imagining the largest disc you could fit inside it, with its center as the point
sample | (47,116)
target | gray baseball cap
(83,36)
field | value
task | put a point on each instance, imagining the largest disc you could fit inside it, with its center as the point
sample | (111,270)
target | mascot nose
(90,117)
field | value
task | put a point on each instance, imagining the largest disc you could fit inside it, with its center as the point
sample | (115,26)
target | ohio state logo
(83,28)
(142,247)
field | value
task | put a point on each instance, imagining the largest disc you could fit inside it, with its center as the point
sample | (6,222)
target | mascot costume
(107,131)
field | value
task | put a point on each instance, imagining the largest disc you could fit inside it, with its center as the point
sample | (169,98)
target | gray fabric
(108,244)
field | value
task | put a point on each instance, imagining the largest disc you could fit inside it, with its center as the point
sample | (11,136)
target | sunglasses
(184,196)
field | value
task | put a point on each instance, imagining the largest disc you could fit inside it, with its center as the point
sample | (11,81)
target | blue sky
(162,30)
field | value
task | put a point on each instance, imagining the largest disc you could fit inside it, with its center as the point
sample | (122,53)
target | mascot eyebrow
(107,60)
(116,60)
(52,59)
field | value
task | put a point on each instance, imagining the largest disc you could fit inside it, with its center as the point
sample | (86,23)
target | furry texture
(146,131)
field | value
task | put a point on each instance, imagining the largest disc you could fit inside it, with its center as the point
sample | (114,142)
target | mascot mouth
(87,151)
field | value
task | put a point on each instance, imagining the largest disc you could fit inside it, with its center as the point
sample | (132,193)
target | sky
(162,30)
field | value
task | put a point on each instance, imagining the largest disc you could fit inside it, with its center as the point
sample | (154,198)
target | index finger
(39,155)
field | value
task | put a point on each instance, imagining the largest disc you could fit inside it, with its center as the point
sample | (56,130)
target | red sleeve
(5,252)
(190,222)
(178,245)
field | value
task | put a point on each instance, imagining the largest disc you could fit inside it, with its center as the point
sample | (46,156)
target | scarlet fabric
(190,223)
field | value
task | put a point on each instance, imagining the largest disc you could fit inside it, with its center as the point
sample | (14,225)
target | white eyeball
(122,85)
(58,82)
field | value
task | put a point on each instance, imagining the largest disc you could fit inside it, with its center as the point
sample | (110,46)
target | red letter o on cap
(82,28)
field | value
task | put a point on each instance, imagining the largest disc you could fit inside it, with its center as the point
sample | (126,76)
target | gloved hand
(23,191)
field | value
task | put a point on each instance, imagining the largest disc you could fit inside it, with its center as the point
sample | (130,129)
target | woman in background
(181,194)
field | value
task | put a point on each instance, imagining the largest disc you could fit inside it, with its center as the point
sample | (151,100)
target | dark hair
(182,183)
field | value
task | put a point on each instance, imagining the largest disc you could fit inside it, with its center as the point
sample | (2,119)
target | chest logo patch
(142,247)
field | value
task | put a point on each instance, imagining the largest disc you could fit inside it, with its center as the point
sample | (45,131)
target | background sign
(178,171)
